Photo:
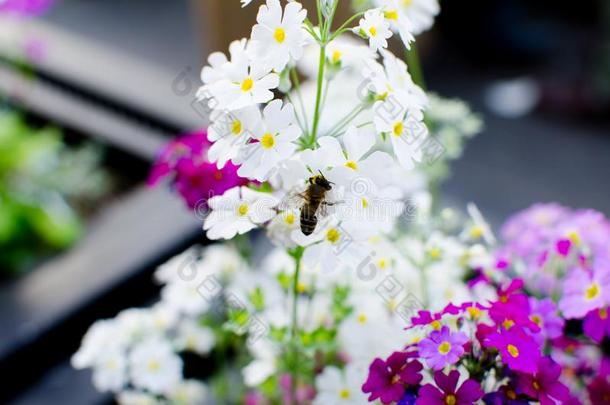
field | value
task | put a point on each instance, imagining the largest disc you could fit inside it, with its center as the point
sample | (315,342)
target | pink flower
(597,324)
(442,347)
(544,384)
(446,391)
(26,8)
(387,380)
(184,161)
(544,314)
(518,350)
(584,291)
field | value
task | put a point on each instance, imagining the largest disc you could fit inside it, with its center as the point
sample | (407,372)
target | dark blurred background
(124,74)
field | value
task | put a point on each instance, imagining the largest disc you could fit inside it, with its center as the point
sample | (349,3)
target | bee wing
(292,201)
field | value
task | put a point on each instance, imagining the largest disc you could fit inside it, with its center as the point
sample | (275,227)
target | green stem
(316,117)
(414,65)
(297,255)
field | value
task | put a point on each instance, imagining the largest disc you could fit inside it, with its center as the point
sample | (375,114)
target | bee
(314,201)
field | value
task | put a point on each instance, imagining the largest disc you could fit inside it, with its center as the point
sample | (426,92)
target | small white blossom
(420,13)
(275,142)
(190,392)
(194,338)
(375,28)
(154,366)
(238,211)
(400,23)
(337,387)
(132,397)
(229,133)
(277,38)
(238,83)
(110,371)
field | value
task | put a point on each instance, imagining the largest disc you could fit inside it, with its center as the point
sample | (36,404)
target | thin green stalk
(414,65)
(341,125)
(316,117)
(345,25)
(297,255)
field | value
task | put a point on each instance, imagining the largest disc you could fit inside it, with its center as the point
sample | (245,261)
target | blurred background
(92,89)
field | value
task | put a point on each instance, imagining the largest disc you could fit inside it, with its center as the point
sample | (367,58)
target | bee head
(321,181)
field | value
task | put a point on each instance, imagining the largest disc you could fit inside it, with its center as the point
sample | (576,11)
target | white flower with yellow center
(133,397)
(282,226)
(340,387)
(190,392)
(154,366)
(192,337)
(274,142)
(230,131)
(394,13)
(420,13)
(238,83)
(478,229)
(375,28)
(110,372)
(277,38)
(238,211)
(406,134)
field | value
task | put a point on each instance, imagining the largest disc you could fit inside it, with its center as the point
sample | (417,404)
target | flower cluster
(184,161)
(25,8)
(472,352)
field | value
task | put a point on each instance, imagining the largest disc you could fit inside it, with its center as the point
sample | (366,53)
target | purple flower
(544,384)
(584,291)
(512,308)
(544,314)
(26,8)
(597,324)
(446,392)
(184,161)
(506,395)
(518,350)
(442,347)
(387,379)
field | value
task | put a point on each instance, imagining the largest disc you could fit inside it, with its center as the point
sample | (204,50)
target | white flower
(264,364)
(190,392)
(230,131)
(237,83)
(281,227)
(194,338)
(238,211)
(394,12)
(275,142)
(420,13)
(276,38)
(101,336)
(154,366)
(479,228)
(110,371)
(374,27)
(344,53)
(336,387)
(185,297)
(132,397)
(406,133)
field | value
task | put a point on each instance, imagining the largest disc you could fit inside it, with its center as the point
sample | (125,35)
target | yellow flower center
(407,3)
(382,263)
(474,312)
(154,366)
(333,235)
(536,385)
(436,325)
(365,203)
(279,35)
(574,238)
(373,31)
(391,15)
(398,129)
(351,164)
(242,210)
(435,253)
(444,348)
(512,350)
(536,319)
(336,58)
(344,394)
(450,399)
(236,127)
(268,140)
(247,84)
(362,319)
(592,292)
(289,219)
(508,324)
(301,287)
(476,232)
(603,313)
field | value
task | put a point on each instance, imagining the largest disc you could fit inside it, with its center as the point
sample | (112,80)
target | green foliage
(40,178)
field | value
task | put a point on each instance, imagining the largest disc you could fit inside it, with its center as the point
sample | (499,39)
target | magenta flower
(512,308)
(597,324)
(518,350)
(584,291)
(544,314)
(442,347)
(544,384)
(388,380)
(26,8)
(446,391)
(184,161)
